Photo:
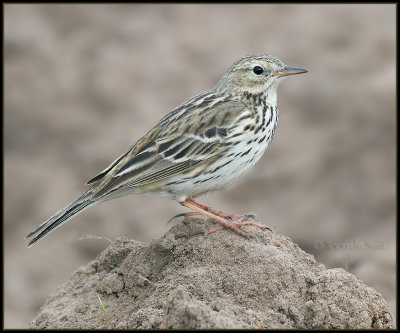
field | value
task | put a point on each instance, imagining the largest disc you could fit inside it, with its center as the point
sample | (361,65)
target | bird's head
(256,74)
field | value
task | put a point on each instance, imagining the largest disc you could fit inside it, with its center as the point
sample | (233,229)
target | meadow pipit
(203,145)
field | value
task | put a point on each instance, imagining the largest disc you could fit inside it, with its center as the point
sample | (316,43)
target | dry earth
(218,281)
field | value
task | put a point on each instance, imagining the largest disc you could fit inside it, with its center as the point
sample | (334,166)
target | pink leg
(219,217)
(242,219)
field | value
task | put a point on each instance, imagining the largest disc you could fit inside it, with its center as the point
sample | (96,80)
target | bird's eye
(258,70)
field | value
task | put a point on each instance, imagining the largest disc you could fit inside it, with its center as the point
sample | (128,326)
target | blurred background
(82,83)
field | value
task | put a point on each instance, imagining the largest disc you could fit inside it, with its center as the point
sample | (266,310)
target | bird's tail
(61,217)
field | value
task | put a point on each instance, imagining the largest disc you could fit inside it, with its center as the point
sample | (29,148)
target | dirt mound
(219,281)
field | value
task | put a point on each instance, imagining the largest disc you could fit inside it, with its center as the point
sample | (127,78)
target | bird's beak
(290,71)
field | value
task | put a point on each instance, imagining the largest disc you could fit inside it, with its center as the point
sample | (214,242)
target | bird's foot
(222,214)
(223,218)
(238,225)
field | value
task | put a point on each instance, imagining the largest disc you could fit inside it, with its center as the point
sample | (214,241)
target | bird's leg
(206,211)
(226,223)
(214,211)
(243,219)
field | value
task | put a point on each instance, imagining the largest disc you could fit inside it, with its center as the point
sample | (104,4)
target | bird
(203,145)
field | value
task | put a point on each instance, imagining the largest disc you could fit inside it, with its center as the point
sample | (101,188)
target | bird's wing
(192,135)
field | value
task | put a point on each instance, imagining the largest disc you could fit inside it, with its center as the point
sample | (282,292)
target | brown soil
(218,281)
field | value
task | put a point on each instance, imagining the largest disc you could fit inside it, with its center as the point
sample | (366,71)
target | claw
(200,232)
(185,215)
(175,217)
(248,216)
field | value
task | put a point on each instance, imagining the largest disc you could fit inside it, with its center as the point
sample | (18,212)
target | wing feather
(179,143)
